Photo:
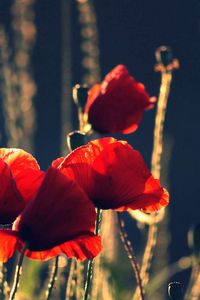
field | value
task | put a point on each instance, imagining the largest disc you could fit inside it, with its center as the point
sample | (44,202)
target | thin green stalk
(18,273)
(91,262)
(129,250)
(52,280)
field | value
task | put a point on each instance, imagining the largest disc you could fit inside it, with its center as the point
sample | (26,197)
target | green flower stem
(131,255)
(52,280)
(91,262)
(18,273)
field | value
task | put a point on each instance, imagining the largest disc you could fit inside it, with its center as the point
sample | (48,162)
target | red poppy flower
(118,103)
(60,219)
(114,175)
(20,179)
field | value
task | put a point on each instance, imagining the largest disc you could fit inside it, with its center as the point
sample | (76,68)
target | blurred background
(42,47)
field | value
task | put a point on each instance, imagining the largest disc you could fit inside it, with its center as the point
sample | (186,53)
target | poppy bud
(175,290)
(118,103)
(80,95)
(194,239)
(164,55)
(76,139)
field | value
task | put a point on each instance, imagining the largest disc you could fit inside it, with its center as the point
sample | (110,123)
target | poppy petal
(80,248)
(25,171)
(8,244)
(120,170)
(61,212)
(121,99)
(28,182)
(149,202)
(18,159)
(11,202)
(56,163)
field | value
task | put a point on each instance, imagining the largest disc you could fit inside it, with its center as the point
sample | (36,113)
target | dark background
(129,32)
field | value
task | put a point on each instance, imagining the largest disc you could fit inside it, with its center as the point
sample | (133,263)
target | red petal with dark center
(61,212)
(11,202)
(114,175)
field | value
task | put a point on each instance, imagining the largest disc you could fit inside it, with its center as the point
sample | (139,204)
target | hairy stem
(18,273)
(156,169)
(131,255)
(52,280)
(191,290)
(90,263)
(4,288)
(79,279)
(70,280)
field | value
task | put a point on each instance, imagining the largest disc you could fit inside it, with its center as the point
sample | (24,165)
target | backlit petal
(80,248)
(25,171)
(8,244)
(114,175)
(18,159)
(117,105)
(60,212)
(11,202)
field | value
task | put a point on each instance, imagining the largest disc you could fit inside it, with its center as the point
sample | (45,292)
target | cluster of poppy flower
(54,212)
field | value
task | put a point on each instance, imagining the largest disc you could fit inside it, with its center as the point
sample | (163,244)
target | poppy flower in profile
(20,178)
(114,175)
(59,220)
(118,103)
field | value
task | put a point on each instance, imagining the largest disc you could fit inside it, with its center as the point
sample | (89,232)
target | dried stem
(18,273)
(192,291)
(88,280)
(101,275)
(79,279)
(89,41)
(97,278)
(70,280)
(90,263)
(195,291)
(131,255)
(4,288)
(147,218)
(156,168)
(159,124)
(52,280)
